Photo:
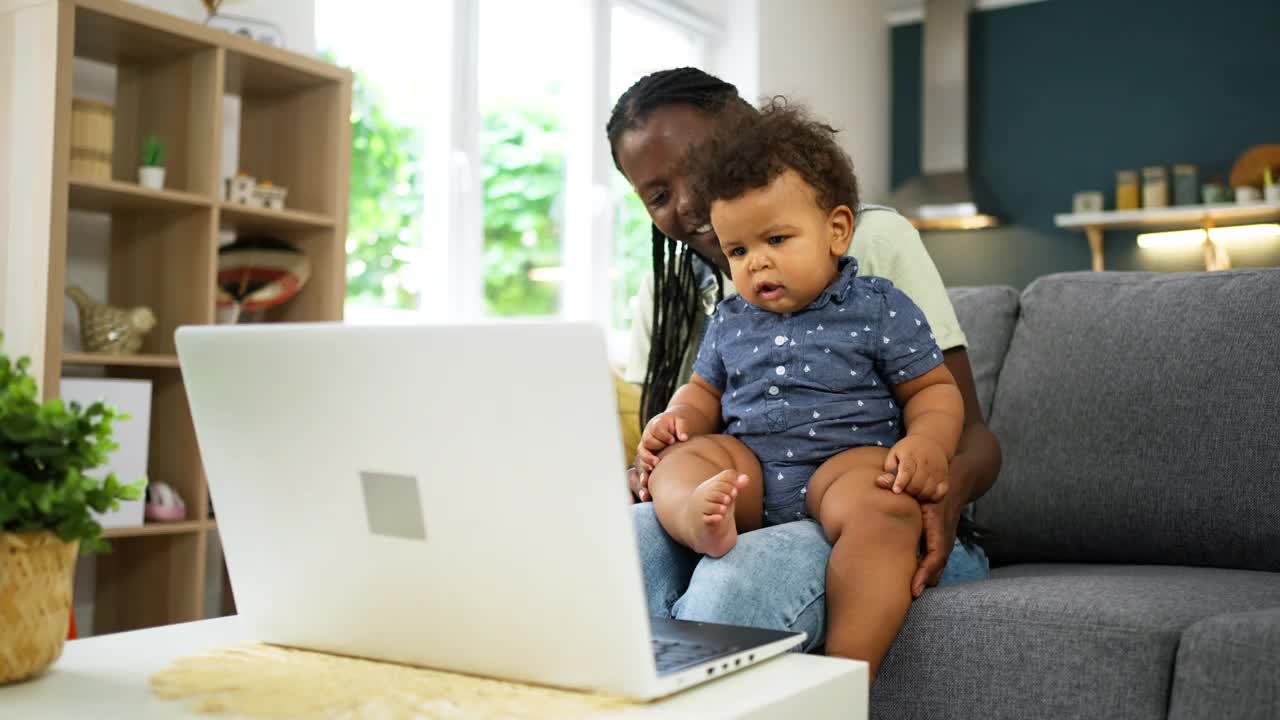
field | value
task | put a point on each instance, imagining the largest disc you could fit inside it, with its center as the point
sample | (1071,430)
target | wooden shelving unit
(171,78)
(1182,217)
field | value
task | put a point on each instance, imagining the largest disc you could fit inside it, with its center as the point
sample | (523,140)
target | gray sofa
(1136,523)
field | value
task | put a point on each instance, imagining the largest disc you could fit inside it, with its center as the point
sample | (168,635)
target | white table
(107,677)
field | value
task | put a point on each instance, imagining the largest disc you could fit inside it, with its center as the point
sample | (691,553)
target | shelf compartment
(296,141)
(149,580)
(166,263)
(119,35)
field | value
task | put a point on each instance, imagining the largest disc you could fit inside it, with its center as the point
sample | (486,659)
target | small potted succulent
(151,173)
(46,495)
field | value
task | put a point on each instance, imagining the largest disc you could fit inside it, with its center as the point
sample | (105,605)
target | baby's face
(782,247)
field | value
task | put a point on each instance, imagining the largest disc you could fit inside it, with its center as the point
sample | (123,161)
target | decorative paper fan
(1252,163)
(260,272)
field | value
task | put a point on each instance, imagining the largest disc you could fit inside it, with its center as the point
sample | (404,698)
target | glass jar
(1186,184)
(1155,187)
(1126,190)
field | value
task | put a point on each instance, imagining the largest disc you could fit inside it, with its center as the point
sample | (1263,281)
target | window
(523,105)
(481,180)
(635,33)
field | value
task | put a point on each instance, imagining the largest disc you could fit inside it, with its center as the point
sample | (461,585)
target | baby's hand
(664,429)
(921,467)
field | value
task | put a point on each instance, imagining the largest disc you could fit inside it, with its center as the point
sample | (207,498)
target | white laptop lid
(446,496)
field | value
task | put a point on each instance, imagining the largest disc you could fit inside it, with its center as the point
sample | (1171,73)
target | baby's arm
(933,413)
(694,410)
(933,410)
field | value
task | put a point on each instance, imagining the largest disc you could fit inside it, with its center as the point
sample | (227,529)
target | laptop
(443,496)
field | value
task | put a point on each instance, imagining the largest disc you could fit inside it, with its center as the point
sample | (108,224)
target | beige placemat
(274,683)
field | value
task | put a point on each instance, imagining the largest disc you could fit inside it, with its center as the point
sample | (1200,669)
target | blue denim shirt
(798,388)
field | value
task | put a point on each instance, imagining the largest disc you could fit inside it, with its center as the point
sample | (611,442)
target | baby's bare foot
(710,514)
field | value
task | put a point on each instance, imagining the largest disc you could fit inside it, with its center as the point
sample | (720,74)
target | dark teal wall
(1064,92)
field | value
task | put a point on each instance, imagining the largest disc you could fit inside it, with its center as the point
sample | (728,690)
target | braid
(676,295)
(675,312)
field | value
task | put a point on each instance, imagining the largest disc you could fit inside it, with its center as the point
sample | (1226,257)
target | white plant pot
(229,315)
(151,177)
(1271,193)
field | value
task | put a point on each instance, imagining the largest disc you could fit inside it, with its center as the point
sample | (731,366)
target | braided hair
(676,295)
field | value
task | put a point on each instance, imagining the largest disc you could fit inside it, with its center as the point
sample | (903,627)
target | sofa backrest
(1139,417)
(987,315)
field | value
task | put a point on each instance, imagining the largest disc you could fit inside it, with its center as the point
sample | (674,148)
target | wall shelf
(1182,217)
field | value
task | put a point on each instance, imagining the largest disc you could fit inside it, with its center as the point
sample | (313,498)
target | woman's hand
(941,519)
(638,481)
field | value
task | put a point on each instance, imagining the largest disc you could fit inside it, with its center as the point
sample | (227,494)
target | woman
(774,577)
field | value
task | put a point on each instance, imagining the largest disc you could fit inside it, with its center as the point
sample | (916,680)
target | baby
(809,384)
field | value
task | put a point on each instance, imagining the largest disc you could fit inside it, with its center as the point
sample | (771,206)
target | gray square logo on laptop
(392,505)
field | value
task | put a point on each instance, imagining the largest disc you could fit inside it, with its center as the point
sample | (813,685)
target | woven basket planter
(36,572)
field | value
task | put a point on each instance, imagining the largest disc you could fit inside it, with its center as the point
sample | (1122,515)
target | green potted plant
(46,451)
(151,174)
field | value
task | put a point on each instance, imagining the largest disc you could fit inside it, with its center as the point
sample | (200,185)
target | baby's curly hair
(749,152)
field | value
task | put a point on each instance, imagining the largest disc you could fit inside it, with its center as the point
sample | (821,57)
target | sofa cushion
(1138,417)
(1229,668)
(1061,641)
(987,315)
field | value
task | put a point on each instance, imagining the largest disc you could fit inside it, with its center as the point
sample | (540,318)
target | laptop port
(751,658)
(737,662)
(711,670)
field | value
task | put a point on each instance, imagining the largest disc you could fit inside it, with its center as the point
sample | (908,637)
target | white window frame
(453,242)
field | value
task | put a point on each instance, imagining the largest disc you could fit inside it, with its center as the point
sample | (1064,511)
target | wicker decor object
(92,125)
(36,572)
(108,329)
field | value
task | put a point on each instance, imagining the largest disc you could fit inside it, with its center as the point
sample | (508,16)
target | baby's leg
(707,489)
(874,535)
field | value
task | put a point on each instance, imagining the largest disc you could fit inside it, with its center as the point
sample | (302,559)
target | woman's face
(652,158)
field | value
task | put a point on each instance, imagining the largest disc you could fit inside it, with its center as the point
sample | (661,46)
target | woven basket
(36,571)
(92,129)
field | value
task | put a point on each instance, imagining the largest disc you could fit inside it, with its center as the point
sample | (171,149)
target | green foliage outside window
(522,174)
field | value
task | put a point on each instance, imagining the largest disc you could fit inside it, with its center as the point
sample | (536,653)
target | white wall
(737,58)
(28,31)
(296,18)
(833,56)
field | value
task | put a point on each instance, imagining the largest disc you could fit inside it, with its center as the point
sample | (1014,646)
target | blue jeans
(773,578)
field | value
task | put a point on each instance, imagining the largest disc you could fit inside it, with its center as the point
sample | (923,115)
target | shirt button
(773,390)
(779,340)
(780,370)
